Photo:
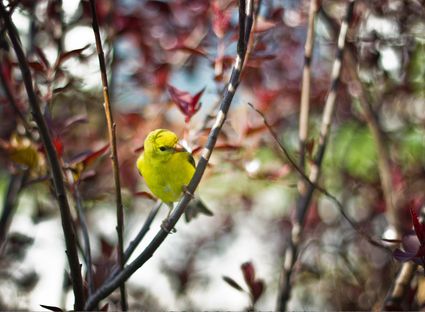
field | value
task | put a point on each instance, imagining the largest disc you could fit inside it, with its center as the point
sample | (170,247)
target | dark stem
(14,187)
(113,144)
(55,168)
(86,238)
(229,92)
(139,237)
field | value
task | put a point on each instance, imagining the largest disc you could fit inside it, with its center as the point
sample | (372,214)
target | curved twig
(245,24)
(303,202)
(55,168)
(305,89)
(114,153)
(86,238)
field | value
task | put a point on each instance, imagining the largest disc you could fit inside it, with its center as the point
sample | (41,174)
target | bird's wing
(191,159)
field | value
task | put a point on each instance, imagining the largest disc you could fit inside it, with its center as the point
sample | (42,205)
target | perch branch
(55,168)
(113,144)
(303,202)
(245,16)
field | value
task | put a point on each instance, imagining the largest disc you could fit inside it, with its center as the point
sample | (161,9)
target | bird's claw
(187,192)
(165,225)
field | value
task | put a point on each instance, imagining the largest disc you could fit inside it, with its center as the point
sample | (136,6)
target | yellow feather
(166,168)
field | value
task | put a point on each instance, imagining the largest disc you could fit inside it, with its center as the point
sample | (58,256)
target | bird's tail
(195,207)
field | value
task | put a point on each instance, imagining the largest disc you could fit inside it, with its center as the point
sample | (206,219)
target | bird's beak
(179,148)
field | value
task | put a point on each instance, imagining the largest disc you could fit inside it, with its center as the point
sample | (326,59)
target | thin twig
(55,168)
(305,88)
(139,237)
(145,228)
(378,135)
(306,179)
(245,16)
(303,202)
(86,238)
(114,153)
(16,182)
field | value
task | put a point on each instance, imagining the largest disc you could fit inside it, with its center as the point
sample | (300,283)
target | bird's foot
(166,226)
(187,192)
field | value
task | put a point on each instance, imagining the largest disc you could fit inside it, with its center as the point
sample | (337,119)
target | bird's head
(162,143)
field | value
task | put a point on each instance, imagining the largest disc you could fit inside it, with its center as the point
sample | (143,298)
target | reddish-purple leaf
(189,105)
(248,271)
(262,25)
(67,55)
(403,256)
(37,67)
(94,155)
(257,290)
(195,51)
(42,57)
(105,307)
(232,283)
(418,226)
(221,20)
(51,308)
(77,119)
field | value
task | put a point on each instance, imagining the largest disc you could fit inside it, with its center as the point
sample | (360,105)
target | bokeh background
(249,185)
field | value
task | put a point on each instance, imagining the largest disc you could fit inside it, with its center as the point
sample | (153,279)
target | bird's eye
(162,148)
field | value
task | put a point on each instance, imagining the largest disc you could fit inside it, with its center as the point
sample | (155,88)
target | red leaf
(51,308)
(187,103)
(42,57)
(161,75)
(57,142)
(232,283)
(248,273)
(221,20)
(94,155)
(419,228)
(37,67)
(263,25)
(257,290)
(67,55)
(184,48)
(139,149)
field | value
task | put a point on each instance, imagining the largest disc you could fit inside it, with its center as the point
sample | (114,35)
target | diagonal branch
(245,24)
(55,168)
(114,153)
(322,190)
(86,238)
(303,202)
(15,185)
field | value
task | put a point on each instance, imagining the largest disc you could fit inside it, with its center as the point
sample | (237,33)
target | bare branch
(86,238)
(307,180)
(55,168)
(303,202)
(305,89)
(14,187)
(245,24)
(113,144)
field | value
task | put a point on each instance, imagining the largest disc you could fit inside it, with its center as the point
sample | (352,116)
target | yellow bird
(167,169)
